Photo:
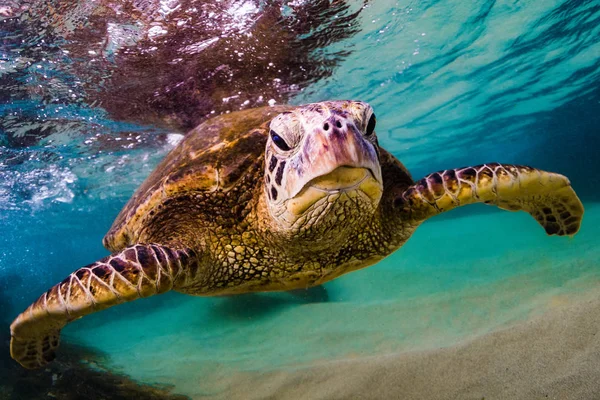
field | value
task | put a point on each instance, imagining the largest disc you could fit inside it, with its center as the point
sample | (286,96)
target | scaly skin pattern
(271,200)
(243,254)
(547,196)
(139,271)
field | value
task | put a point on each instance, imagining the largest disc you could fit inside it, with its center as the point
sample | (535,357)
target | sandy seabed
(552,356)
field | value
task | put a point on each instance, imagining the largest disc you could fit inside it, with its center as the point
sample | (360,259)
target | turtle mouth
(343,179)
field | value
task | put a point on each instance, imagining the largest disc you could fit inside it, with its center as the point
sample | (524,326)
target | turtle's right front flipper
(138,271)
(547,196)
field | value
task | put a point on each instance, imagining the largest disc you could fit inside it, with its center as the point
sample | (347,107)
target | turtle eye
(371,125)
(279,142)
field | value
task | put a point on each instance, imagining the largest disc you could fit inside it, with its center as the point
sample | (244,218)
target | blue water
(452,83)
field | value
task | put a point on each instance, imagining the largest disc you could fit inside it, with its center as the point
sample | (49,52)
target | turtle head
(322,169)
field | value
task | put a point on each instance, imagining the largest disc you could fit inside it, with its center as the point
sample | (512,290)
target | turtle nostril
(338,124)
(326,126)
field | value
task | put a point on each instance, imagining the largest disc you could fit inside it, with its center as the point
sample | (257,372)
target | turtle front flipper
(547,196)
(138,271)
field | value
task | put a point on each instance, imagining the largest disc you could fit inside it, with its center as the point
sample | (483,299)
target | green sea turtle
(275,199)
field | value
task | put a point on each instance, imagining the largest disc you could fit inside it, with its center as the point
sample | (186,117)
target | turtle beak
(335,159)
(344,179)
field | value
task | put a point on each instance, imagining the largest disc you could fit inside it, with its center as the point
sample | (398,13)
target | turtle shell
(211,157)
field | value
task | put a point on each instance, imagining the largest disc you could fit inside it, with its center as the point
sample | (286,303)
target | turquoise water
(452,84)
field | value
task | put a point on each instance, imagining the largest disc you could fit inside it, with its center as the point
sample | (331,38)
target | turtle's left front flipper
(547,196)
(137,271)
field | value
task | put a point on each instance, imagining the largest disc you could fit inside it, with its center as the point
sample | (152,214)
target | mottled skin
(276,198)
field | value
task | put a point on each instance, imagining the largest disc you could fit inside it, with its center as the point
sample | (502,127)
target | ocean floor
(553,356)
(477,304)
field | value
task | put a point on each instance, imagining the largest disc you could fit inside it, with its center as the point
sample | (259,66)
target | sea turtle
(274,199)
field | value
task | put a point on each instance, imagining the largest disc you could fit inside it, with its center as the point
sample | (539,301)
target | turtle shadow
(255,306)
(315,294)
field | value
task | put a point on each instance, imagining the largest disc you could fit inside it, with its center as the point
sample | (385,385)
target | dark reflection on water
(169,63)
